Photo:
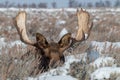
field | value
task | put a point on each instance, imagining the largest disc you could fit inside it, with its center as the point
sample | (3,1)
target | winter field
(98,58)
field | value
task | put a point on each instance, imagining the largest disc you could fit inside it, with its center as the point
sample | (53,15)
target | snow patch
(2,42)
(60,73)
(60,22)
(60,9)
(105,45)
(63,32)
(103,61)
(18,42)
(10,44)
(86,36)
(54,78)
(104,73)
(92,55)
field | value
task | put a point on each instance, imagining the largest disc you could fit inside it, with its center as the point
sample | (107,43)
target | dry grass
(11,65)
(114,76)
(112,51)
(104,28)
(14,67)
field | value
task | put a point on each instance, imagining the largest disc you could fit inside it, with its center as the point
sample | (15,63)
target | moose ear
(41,41)
(65,41)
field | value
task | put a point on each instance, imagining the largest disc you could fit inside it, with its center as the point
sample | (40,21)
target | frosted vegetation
(98,57)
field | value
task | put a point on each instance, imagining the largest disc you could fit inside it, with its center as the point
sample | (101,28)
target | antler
(83,32)
(19,22)
(84,25)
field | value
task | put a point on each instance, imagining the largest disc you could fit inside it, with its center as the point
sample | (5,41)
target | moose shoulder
(52,53)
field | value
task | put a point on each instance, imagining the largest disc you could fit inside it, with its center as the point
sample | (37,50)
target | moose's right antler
(19,22)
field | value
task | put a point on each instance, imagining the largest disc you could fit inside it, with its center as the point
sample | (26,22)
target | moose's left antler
(84,25)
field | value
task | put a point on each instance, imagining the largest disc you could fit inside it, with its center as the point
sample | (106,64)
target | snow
(92,55)
(54,78)
(10,44)
(63,32)
(18,42)
(86,36)
(105,45)
(60,73)
(60,22)
(103,61)
(60,9)
(104,73)
(2,42)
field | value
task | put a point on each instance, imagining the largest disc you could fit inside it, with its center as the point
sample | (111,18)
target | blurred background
(59,3)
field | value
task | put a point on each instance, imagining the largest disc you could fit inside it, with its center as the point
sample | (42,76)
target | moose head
(53,52)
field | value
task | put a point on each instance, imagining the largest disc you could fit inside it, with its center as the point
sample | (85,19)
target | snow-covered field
(104,40)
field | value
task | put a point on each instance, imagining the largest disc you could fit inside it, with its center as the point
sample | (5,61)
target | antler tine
(19,22)
(84,25)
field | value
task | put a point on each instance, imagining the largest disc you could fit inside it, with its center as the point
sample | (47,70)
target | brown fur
(52,53)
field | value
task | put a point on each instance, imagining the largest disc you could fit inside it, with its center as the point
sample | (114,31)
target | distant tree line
(71,4)
(106,3)
(7,4)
